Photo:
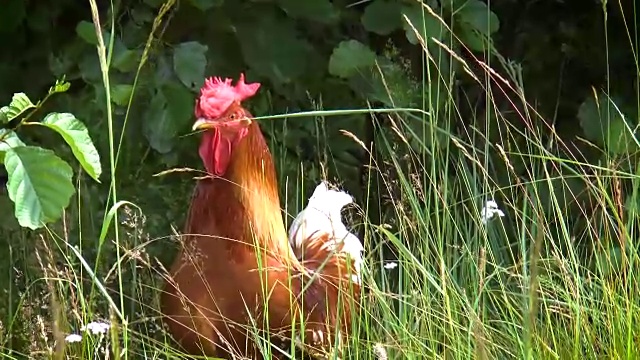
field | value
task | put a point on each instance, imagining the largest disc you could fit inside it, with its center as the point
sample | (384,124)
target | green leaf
(474,39)
(181,105)
(139,15)
(603,122)
(39,185)
(124,60)
(205,5)
(89,66)
(157,119)
(621,139)
(382,17)
(59,87)
(164,119)
(477,15)
(19,104)
(189,62)
(315,10)
(121,93)
(387,83)
(272,48)
(477,23)
(77,137)
(87,32)
(350,57)
(8,140)
(425,24)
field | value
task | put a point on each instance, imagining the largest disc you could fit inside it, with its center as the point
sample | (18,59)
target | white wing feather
(322,215)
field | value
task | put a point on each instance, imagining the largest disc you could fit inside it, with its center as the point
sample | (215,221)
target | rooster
(236,271)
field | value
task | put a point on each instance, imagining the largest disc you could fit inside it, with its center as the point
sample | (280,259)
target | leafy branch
(10,116)
(40,183)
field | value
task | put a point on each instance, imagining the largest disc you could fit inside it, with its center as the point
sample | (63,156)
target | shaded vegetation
(532,103)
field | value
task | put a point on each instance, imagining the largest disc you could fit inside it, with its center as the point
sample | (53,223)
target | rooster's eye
(232,117)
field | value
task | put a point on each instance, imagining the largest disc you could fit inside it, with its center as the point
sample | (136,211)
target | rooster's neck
(252,177)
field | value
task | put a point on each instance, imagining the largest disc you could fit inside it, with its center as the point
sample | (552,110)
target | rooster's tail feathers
(333,259)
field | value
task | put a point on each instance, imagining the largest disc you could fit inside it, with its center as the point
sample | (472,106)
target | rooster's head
(219,112)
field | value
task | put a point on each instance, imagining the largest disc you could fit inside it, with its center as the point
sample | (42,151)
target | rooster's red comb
(217,95)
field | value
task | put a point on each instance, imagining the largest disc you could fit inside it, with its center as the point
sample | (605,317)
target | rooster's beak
(204,124)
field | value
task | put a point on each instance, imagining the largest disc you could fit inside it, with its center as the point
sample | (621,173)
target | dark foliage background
(309,55)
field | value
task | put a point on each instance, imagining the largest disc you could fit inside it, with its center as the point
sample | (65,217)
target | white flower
(96,327)
(380,352)
(489,211)
(73,338)
(391,265)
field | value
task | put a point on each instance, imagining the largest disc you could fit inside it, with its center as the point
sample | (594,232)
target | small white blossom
(391,265)
(489,211)
(380,352)
(96,327)
(73,338)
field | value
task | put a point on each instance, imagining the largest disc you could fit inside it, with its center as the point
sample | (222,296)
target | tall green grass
(521,286)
